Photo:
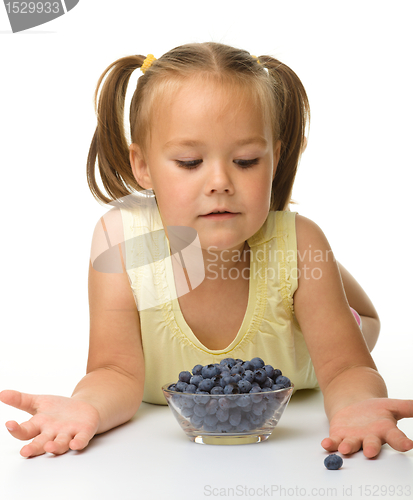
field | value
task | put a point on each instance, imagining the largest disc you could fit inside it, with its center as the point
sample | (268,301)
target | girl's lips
(226,215)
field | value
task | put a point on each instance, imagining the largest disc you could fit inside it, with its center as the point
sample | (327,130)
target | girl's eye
(188,164)
(247,163)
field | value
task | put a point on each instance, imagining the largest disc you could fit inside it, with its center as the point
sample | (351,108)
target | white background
(354,180)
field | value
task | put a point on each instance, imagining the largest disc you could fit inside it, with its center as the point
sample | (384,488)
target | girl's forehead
(206,95)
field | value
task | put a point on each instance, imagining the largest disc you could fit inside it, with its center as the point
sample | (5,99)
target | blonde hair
(274,85)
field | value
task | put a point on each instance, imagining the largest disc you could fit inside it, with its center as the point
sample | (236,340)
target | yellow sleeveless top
(269,328)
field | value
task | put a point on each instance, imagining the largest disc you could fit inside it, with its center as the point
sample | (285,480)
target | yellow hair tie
(255,57)
(147,63)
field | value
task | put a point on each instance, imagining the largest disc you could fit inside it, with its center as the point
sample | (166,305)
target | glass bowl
(228,418)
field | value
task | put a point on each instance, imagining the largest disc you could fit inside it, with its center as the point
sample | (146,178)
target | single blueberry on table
(333,462)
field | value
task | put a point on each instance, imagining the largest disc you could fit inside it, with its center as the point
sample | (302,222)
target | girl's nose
(219,179)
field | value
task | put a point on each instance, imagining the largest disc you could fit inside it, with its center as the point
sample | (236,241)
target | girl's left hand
(368,425)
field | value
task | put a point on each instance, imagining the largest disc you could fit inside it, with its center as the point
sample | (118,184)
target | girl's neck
(226,265)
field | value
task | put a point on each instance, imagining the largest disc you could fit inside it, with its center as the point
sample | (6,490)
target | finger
(25,431)
(371,446)
(401,408)
(19,400)
(80,441)
(36,447)
(331,443)
(398,440)
(59,446)
(349,445)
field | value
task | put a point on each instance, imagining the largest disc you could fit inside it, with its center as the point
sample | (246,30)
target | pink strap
(356,315)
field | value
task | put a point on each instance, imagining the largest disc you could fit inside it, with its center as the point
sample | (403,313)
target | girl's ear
(139,166)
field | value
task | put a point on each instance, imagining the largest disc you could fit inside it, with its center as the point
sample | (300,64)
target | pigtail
(109,145)
(294,113)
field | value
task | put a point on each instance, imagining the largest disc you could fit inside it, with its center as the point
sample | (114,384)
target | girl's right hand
(58,423)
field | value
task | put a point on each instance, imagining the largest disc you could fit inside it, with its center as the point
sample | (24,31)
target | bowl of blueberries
(231,402)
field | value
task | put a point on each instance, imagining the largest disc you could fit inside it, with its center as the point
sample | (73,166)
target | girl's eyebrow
(260,140)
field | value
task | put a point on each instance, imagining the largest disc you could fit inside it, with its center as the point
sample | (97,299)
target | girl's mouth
(220,216)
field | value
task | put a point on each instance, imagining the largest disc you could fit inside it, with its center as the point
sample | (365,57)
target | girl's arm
(355,395)
(115,369)
(359,300)
(112,390)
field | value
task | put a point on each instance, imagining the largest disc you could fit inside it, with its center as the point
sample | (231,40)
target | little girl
(200,259)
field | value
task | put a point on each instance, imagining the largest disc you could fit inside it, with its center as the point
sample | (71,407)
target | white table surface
(151,458)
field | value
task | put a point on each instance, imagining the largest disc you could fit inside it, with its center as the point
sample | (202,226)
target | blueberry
(333,462)
(211,421)
(209,371)
(172,387)
(191,388)
(227,379)
(222,415)
(243,426)
(223,403)
(211,406)
(230,362)
(185,376)
(196,370)
(277,387)
(260,376)
(249,375)
(243,401)
(269,370)
(186,402)
(276,374)
(224,426)
(181,386)
(201,397)
(268,383)
(196,379)
(200,410)
(231,389)
(206,385)
(244,386)
(255,394)
(217,390)
(247,365)
(258,363)
(235,418)
(187,412)
(196,421)
(284,381)
(237,369)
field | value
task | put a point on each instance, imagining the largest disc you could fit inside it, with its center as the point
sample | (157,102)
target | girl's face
(210,150)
